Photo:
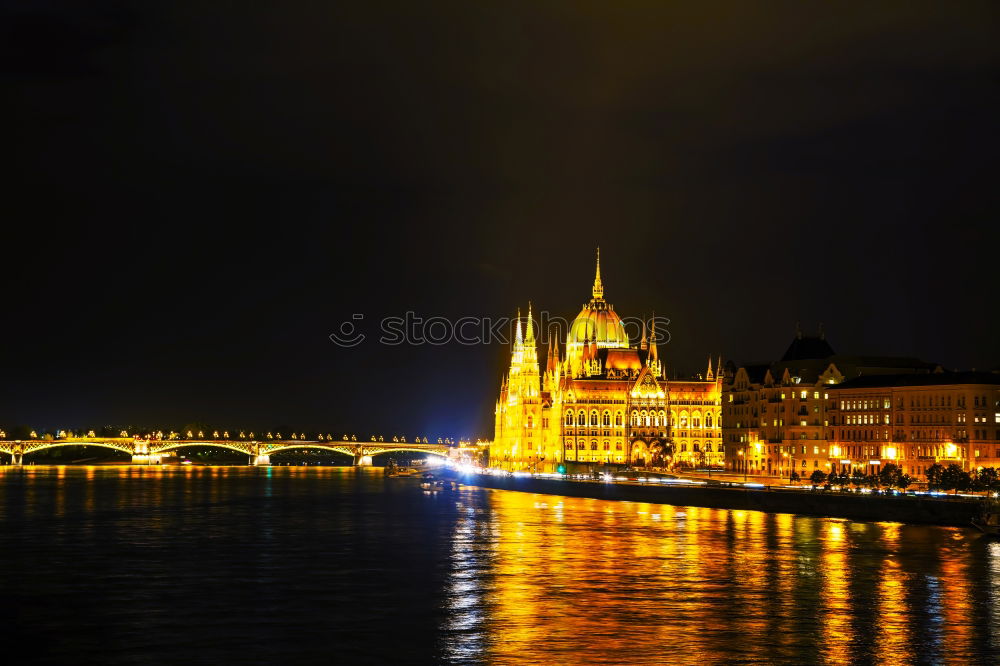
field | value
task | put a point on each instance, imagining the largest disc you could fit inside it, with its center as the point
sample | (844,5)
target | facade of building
(916,421)
(604,401)
(815,409)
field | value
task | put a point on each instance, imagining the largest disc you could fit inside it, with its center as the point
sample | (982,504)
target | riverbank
(920,509)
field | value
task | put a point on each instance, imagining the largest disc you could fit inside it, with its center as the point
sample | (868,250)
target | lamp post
(791,465)
(743,464)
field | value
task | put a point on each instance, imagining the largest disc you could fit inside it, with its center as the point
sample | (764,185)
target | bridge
(150,451)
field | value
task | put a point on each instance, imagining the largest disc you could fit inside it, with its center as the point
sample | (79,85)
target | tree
(903,481)
(857,477)
(818,477)
(794,476)
(889,475)
(955,478)
(933,474)
(988,478)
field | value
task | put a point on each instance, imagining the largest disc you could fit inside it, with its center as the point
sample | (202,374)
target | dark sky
(203,191)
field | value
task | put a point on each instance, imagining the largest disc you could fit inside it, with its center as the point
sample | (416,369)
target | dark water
(292,565)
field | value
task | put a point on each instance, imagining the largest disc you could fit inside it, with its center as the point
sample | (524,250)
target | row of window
(582,446)
(637,418)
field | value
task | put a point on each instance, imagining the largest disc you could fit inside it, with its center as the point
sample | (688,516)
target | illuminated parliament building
(603,400)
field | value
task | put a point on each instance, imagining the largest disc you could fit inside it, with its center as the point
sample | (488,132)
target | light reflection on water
(125,564)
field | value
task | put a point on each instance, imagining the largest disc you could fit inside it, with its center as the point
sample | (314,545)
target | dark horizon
(202,196)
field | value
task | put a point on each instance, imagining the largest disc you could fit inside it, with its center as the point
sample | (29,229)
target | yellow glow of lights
(890,453)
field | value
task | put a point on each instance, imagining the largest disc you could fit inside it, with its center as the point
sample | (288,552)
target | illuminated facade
(815,409)
(604,401)
(916,421)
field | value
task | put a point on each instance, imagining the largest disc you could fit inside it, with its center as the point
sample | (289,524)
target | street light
(791,465)
(743,464)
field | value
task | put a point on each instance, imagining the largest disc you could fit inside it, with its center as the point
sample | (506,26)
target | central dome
(597,324)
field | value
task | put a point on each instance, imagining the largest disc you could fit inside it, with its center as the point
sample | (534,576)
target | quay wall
(955,512)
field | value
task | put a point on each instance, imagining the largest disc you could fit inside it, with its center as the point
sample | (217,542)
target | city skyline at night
(382,332)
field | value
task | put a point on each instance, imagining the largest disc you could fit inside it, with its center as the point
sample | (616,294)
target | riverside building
(815,409)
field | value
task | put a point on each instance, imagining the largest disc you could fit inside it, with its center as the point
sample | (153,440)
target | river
(329,564)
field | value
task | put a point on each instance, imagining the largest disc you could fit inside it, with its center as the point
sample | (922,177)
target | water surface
(318,565)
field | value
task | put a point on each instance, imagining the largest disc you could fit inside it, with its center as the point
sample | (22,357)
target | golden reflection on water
(585,580)
(836,608)
(892,629)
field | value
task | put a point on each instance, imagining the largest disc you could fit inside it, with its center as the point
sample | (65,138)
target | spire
(530,337)
(598,287)
(517,335)
(643,344)
(708,373)
(652,339)
(718,368)
(553,358)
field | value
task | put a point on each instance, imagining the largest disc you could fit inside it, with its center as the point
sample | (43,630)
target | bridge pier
(17,458)
(261,460)
(361,460)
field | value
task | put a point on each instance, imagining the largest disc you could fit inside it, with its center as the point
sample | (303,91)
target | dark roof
(756,372)
(805,347)
(923,379)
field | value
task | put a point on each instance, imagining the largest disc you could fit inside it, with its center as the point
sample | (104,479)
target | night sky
(202,193)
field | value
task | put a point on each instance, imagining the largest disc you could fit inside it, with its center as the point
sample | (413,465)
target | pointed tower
(709,375)
(653,360)
(598,290)
(552,358)
(530,348)
(643,344)
(530,380)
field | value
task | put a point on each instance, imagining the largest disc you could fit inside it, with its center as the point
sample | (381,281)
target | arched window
(696,420)
(708,420)
(618,446)
(663,418)
(569,418)
(593,445)
(695,447)
(607,418)
(581,418)
(593,417)
(708,447)
(645,417)
(618,418)
(635,418)
(684,420)
(607,447)
(569,446)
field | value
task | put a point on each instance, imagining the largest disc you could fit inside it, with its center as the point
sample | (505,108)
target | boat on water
(988,520)
(432,484)
(392,469)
